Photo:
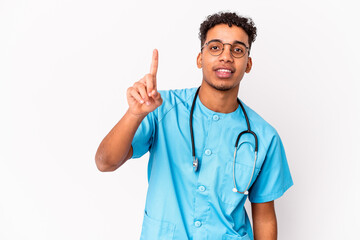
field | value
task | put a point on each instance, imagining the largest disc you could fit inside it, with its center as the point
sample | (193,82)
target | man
(202,197)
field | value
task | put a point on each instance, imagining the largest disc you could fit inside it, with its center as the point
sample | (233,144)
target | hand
(143,96)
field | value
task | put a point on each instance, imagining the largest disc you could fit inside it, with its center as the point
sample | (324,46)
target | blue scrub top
(184,204)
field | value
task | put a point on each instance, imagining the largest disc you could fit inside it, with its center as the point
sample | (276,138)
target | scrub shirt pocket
(155,229)
(235,237)
(243,170)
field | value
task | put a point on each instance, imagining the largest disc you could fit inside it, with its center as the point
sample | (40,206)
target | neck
(219,101)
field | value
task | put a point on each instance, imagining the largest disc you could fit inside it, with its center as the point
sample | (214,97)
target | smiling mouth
(223,73)
(224,70)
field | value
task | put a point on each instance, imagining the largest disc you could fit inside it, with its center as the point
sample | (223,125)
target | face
(224,72)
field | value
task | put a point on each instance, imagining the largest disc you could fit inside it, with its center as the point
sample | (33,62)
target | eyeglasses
(216,47)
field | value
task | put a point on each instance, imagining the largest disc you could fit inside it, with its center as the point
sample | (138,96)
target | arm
(264,221)
(142,98)
(116,147)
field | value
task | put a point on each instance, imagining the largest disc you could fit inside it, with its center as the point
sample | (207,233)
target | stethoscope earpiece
(236,191)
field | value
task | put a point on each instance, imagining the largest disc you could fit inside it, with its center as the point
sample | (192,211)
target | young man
(201,169)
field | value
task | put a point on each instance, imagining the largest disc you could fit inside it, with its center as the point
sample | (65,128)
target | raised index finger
(154,63)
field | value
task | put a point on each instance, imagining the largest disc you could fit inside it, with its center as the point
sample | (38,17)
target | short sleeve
(144,136)
(274,178)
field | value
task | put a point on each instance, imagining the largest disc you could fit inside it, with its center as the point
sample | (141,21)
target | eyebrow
(236,41)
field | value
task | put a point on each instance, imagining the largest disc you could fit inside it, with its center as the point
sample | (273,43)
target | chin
(223,88)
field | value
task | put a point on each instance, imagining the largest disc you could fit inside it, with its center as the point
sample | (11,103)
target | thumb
(157,98)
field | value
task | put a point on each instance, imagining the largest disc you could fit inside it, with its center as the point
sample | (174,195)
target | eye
(238,50)
(215,47)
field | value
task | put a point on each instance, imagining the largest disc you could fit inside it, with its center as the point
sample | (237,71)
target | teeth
(224,70)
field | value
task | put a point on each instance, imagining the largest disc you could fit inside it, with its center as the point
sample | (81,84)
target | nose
(226,55)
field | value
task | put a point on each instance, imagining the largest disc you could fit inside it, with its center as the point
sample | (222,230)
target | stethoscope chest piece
(195,164)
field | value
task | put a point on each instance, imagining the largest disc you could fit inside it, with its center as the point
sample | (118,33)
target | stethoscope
(196,161)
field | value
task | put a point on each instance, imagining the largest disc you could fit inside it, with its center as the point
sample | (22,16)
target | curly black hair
(229,18)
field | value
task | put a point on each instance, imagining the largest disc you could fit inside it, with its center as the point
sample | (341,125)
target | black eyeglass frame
(222,50)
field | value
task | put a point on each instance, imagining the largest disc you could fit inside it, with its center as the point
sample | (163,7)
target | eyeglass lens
(216,48)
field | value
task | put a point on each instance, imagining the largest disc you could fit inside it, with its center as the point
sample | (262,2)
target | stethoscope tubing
(248,131)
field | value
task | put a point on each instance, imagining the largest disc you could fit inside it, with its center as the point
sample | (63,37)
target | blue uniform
(183,204)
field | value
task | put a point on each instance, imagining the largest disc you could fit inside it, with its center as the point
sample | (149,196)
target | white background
(64,70)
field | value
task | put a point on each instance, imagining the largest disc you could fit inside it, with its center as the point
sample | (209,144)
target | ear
(199,60)
(248,65)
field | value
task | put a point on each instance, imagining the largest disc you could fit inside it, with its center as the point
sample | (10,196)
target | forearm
(265,230)
(115,148)
(264,221)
